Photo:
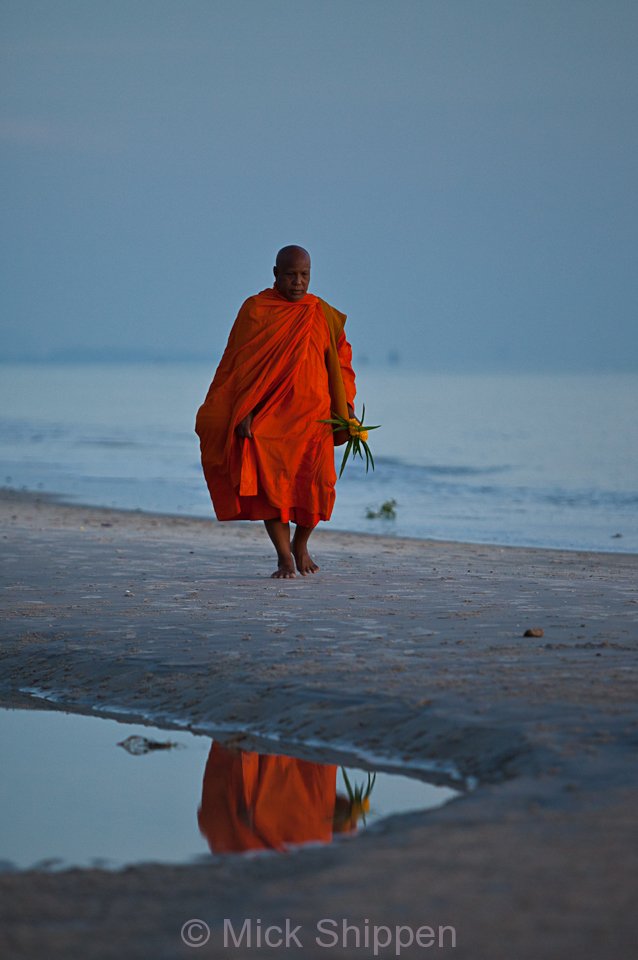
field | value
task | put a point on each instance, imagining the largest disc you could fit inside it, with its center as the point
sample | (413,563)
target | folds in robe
(253,801)
(291,362)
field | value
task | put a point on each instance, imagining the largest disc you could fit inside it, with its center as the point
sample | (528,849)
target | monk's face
(293,276)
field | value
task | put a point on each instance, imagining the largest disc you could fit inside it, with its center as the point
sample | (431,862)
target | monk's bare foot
(285,570)
(305,563)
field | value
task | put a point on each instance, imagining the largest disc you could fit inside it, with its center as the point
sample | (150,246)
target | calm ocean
(547,461)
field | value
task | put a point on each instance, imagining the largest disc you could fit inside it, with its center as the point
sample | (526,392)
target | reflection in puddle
(70,796)
(253,801)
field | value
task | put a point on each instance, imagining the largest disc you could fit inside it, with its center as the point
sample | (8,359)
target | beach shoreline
(406,649)
(68,501)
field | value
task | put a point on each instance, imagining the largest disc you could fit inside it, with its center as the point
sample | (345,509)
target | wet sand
(409,650)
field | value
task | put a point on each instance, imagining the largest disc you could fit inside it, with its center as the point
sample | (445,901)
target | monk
(265,455)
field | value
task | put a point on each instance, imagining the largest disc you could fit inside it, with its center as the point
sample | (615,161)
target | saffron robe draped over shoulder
(291,363)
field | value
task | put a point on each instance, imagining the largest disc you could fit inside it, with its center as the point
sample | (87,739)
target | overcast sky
(463,173)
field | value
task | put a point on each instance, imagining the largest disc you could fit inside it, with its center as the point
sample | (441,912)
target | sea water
(537,460)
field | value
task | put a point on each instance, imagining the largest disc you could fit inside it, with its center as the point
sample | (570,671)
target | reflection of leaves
(349,811)
(139,745)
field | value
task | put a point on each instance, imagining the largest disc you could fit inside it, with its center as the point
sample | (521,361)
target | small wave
(109,442)
(21,430)
(589,498)
(444,470)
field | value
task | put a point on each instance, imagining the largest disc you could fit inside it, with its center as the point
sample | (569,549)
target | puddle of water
(71,795)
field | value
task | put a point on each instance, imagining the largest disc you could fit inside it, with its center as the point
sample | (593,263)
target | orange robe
(253,801)
(292,361)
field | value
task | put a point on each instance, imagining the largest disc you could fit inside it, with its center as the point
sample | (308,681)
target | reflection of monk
(253,801)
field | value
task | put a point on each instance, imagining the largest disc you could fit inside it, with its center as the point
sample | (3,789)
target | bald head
(290,253)
(292,272)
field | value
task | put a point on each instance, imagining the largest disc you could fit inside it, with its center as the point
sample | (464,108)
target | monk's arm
(344,351)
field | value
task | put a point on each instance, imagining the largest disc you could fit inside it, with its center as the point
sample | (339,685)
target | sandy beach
(413,651)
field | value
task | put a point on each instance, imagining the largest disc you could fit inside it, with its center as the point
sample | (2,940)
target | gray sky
(462,171)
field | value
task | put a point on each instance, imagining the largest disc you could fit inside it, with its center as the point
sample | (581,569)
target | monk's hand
(243,427)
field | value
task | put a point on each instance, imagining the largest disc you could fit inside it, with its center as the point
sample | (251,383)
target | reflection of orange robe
(292,361)
(253,801)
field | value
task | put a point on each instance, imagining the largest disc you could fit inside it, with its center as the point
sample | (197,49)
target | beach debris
(387,511)
(534,632)
(140,745)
